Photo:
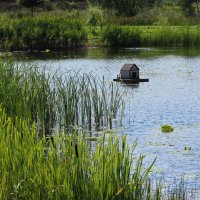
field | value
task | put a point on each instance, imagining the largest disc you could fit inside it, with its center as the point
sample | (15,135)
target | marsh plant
(34,101)
(68,102)
(108,172)
(164,36)
(34,168)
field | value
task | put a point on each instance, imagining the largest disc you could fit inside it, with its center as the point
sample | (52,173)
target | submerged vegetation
(167,128)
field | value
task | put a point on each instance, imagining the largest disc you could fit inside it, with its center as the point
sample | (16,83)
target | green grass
(163,36)
(58,31)
(41,33)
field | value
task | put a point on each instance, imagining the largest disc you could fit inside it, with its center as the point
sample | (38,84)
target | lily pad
(167,128)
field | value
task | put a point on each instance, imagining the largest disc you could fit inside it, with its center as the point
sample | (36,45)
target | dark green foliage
(41,34)
(31,3)
(120,36)
(187,7)
(152,36)
(125,7)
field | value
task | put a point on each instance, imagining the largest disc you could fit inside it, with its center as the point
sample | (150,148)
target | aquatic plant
(152,36)
(38,169)
(167,128)
(84,101)
(70,102)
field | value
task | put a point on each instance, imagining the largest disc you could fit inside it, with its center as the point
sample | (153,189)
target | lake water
(172,96)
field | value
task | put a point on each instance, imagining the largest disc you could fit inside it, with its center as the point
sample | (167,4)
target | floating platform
(131,81)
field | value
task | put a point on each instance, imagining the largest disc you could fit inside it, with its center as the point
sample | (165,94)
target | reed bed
(34,101)
(181,36)
(91,102)
(32,168)
(73,101)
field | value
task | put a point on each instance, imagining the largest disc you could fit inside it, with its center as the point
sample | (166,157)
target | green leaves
(55,33)
(124,7)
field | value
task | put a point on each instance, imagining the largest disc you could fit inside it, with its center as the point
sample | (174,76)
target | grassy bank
(41,33)
(180,36)
(58,33)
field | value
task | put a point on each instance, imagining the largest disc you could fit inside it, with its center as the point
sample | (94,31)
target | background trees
(186,6)
(31,4)
(124,7)
(190,7)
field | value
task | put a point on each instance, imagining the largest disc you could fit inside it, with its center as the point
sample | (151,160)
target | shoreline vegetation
(56,137)
(66,30)
(59,34)
(71,164)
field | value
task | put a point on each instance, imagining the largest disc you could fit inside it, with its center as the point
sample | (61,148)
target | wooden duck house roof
(129,67)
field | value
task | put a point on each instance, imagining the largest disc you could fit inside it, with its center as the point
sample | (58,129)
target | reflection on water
(105,53)
(172,96)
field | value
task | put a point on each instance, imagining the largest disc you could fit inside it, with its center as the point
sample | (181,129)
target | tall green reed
(49,100)
(121,36)
(84,101)
(108,172)
(164,36)
(26,92)
(32,168)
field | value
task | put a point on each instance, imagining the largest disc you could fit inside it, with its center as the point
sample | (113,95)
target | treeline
(133,7)
(126,8)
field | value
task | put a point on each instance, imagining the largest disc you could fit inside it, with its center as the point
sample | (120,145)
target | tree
(31,4)
(125,7)
(187,7)
(197,5)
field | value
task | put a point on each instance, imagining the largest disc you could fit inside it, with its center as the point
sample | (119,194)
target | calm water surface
(172,96)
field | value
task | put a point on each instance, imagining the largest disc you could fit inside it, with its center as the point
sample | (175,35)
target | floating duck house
(129,73)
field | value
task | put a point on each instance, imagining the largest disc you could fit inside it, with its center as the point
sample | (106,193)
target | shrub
(41,33)
(121,36)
